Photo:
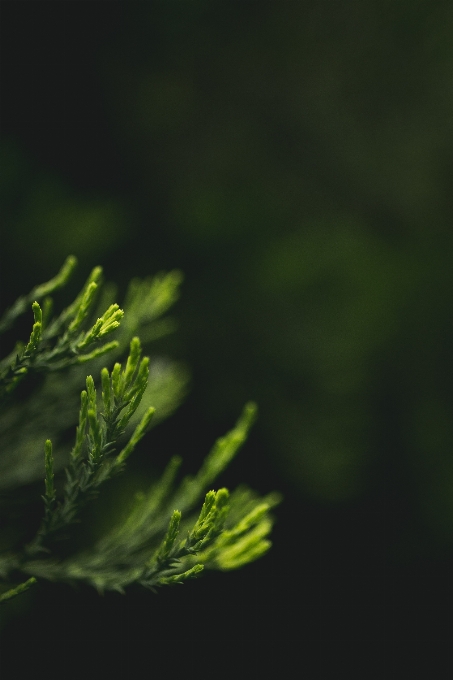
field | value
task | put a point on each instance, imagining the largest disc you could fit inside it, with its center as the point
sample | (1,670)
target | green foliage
(163,539)
(62,343)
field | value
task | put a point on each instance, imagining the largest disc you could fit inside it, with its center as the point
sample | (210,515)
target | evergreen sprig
(160,541)
(23,303)
(72,343)
(92,457)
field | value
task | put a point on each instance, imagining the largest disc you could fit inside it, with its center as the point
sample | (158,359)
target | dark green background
(295,160)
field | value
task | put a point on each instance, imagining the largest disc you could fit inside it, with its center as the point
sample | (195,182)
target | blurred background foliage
(295,160)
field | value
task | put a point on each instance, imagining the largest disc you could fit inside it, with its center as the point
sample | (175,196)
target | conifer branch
(160,541)
(9,594)
(23,303)
(71,345)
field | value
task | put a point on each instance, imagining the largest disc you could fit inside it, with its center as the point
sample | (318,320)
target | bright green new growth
(162,540)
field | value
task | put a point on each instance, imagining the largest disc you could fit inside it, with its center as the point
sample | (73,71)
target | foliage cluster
(163,538)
